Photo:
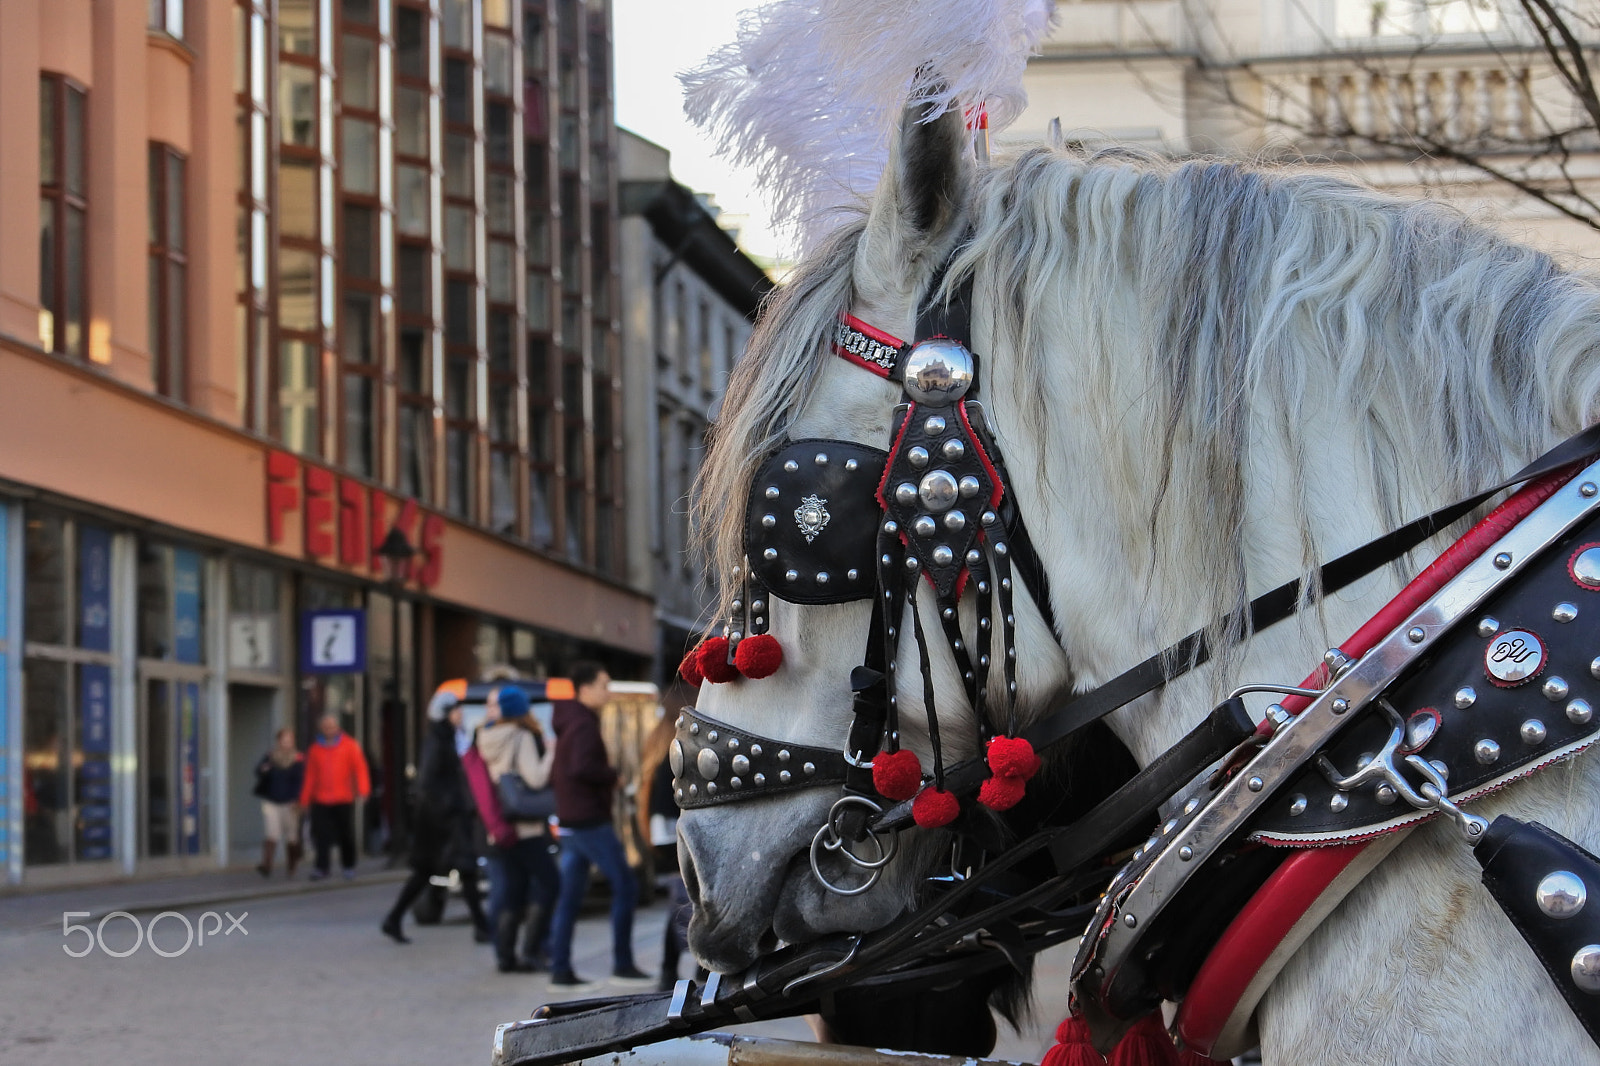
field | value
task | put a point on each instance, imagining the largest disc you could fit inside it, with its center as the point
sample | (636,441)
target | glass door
(174,809)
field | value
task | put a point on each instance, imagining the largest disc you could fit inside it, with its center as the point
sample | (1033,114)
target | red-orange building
(277,278)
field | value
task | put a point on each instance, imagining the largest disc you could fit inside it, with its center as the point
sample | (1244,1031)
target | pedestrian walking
(336,774)
(279,776)
(658,823)
(584,782)
(518,757)
(442,830)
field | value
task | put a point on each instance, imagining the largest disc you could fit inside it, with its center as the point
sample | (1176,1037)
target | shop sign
(333,641)
(253,641)
(343,522)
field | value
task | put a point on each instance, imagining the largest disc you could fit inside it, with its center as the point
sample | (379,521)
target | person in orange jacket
(336,773)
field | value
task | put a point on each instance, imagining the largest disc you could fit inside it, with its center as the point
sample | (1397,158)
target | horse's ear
(918,210)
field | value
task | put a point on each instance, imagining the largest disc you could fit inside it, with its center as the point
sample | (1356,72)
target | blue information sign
(333,641)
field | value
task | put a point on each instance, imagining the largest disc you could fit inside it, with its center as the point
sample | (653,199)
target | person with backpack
(518,758)
(442,830)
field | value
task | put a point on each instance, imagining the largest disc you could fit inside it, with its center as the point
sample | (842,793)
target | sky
(655,41)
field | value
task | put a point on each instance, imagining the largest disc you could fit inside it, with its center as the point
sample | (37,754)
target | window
(168,272)
(167,16)
(63,216)
(1413,18)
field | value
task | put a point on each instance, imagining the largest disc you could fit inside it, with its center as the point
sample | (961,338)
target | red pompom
(896,774)
(714,664)
(934,807)
(1073,1047)
(1002,793)
(689,669)
(1012,757)
(758,656)
(1146,1044)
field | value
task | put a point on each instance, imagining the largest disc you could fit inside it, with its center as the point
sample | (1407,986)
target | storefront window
(67,726)
(253,627)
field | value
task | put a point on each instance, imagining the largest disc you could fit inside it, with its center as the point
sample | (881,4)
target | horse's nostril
(686,868)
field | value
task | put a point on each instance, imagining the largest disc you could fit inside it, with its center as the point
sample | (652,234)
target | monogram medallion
(1513,657)
(812,516)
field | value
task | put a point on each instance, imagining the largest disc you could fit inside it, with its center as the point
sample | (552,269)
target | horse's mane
(1257,289)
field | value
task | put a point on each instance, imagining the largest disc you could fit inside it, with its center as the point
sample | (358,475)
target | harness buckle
(1431,795)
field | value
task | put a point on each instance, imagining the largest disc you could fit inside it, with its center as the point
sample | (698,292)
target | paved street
(309,980)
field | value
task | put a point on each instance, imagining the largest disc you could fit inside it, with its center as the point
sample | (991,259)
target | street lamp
(396,552)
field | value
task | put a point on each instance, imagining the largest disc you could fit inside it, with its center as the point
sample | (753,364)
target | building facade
(690,298)
(281,279)
(1337,83)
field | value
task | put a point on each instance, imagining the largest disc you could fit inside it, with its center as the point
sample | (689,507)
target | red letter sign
(319,513)
(283,470)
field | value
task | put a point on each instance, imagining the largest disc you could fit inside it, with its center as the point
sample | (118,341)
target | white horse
(1206,378)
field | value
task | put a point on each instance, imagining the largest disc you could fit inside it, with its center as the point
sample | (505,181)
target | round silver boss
(938,372)
(1561,894)
(1514,656)
(938,490)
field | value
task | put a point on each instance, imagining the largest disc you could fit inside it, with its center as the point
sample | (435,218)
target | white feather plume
(810,92)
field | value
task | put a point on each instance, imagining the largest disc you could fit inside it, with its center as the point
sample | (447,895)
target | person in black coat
(279,775)
(443,835)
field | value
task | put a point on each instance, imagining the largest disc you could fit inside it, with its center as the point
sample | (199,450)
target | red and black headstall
(833,521)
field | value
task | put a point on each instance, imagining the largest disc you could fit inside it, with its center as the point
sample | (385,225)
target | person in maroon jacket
(584,781)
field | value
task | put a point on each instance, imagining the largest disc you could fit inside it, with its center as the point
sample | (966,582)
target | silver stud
(738,604)
(791,575)
(1130,920)
(783,755)
(694,729)
(768,521)
(694,790)
(937,490)
(772,492)
(943,556)
(1297,806)
(678,722)
(948,614)
(821,459)
(1486,751)
(1000,547)
(852,574)
(1555,689)
(1255,784)
(1192,806)
(905,494)
(734,636)
(1564,612)
(955,521)
(974,557)
(1586,568)
(736,782)
(680,793)
(1420,729)
(924,526)
(1171,824)
(1416,634)
(784,777)
(1561,894)
(733,743)
(790,465)
(1532,731)
(1594,667)
(912,563)
(988,518)
(953,450)
(760,779)
(1340,705)
(1466,697)
(1338,802)
(983,588)
(1005,583)
(969,487)
(1186,853)
(934,425)
(809,768)
(755,749)
(983,623)
(851,465)
(1488,626)
(1386,794)
(711,738)
(675,758)
(758,605)
(770,554)
(918,457)
(822,577)
(711,788)
(1579,712)
(1502,560)
(1586,968)
(1444,771)
(1587,489)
